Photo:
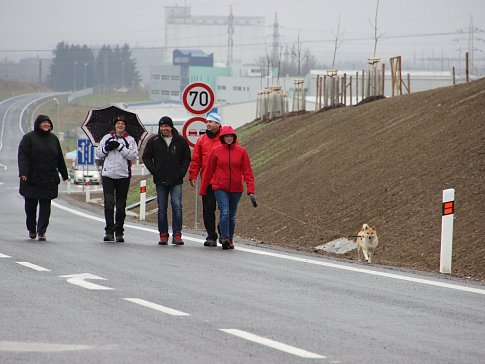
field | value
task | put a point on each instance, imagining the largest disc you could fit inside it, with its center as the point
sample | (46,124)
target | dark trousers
(33,225)
(115,192)
(209,213)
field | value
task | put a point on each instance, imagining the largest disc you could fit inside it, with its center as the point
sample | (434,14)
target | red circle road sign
(193,129)
(198,98)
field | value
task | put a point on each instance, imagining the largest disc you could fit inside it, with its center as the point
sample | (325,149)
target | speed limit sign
(198,98)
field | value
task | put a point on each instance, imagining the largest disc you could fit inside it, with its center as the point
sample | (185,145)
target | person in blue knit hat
(200,157)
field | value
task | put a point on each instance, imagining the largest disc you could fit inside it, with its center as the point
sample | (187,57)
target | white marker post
(143,199)
(88,190)
(447,216)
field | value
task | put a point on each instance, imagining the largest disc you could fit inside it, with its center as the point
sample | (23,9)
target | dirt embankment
(321,175)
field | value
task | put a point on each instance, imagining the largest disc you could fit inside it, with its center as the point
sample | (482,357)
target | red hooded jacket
(227,167)
(201,153)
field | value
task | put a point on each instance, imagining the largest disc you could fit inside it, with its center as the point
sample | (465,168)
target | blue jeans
(227,203)
(176,203)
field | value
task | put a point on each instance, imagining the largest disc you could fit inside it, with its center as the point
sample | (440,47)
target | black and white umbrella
(99,122)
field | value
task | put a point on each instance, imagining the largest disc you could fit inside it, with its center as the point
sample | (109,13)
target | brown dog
(367,242)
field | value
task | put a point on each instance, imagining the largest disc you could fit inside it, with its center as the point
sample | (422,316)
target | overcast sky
(409,27)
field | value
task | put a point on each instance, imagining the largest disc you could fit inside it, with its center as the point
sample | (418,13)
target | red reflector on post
(143,189)
(448,208)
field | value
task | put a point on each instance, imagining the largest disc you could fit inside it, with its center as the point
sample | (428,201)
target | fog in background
(410,28)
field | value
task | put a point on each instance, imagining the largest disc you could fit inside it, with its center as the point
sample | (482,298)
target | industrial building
(231,38)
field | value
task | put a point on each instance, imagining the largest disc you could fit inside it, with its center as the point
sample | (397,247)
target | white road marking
(303,260)
(79,280)
(155,306)
(34,266)
(273,344)
(4,256)
(367,271)
(29,346)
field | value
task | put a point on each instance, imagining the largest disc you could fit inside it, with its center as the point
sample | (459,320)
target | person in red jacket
(227,168)
(202,150)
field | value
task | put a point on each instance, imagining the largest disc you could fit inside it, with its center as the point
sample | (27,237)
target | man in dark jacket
(40,161)
(167,157)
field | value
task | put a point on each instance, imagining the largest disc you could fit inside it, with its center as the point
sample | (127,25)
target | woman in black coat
(40,161)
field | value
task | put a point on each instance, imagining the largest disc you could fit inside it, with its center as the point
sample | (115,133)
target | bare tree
(298,54)
(338,41)
(376,28)
(269,67)
(280,55)
(262,63)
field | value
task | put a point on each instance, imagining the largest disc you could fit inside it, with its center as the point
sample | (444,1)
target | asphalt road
(75,299)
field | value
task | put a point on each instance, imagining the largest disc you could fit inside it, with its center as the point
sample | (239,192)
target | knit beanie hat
(214,117)
(166,120)
(119,118)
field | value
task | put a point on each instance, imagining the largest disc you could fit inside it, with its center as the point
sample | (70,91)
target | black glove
(253,200)
(112,144)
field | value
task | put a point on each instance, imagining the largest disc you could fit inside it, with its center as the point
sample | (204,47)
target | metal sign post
(196,213)
(198,98)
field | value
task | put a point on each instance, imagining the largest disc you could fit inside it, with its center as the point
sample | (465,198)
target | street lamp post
(57,102)
(58,120)
(85,66)
(122,75)
(75,75)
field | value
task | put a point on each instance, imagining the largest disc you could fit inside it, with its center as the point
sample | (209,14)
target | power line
(314,41)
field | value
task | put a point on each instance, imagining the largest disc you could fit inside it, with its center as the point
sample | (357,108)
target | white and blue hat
(213,116)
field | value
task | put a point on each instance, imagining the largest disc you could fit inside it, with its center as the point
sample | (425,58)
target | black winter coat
(40,159)
(167,164)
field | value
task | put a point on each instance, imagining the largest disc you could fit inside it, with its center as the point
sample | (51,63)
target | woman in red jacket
(226,170)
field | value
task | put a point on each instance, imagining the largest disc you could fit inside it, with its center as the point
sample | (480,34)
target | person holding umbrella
(117,150)
(40,161)
(228,166)
(167,157)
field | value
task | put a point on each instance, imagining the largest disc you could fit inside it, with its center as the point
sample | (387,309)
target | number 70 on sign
(198,98)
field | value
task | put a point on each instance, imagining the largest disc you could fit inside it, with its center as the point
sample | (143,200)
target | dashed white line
(32,346)
(155,306)
(4,256)
(273,344)
(34,266)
